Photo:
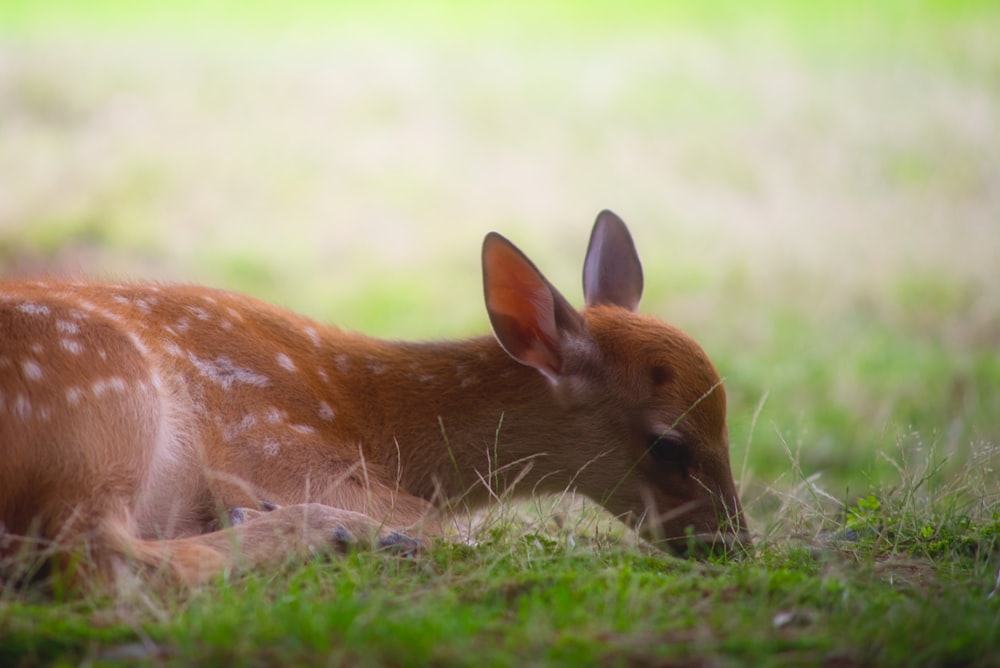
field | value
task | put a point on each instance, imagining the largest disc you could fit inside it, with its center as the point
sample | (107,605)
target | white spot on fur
(426,378)
(199,313)
(138,343)
(226,325)
(313,336)
(325,412)
(274,416)
(157,381)
(236,315)
(376,367)
(225,374)
(324,376)
(271,447)
(22,407)
(303,428)
(73,395)
(32,308)
(233,430)
(71,346)
(99,387)
(173,349)
(285,362)
(117,384)
(67,327)
(32,370)
(343,364)
(183,325)
(37,348)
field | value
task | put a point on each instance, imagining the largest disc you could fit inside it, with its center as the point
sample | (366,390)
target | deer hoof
(238,516)
(234,518)
(343,540)
(398,543)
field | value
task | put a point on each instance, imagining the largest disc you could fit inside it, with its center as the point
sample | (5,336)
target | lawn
(814,189)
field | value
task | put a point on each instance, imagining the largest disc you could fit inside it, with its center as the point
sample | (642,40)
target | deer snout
(690,532)
(723,545)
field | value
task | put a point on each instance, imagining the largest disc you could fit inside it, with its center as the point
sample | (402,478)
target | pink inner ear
(521,308)
(530,347)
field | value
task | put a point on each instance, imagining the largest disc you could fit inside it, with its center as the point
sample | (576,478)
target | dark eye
(670,448)
(661,375)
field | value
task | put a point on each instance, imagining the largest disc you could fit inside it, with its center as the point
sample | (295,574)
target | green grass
(910,586)
(813,188)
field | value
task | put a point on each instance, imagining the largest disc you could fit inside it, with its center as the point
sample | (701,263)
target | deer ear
(612,273)
(530,319)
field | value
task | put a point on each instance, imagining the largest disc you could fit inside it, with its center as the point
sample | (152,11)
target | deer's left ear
(612,273)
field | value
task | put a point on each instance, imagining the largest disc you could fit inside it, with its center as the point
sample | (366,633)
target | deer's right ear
(612,273)
(530,319)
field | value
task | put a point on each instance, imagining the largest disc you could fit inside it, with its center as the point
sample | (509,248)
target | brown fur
(133,417)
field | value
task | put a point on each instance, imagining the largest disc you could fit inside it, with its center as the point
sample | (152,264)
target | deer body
(133,417)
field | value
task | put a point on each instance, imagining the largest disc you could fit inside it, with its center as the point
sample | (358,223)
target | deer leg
(268,539)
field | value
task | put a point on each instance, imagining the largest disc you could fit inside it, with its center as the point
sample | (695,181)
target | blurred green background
(814,186)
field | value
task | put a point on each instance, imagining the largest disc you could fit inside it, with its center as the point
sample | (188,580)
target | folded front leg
(268,538)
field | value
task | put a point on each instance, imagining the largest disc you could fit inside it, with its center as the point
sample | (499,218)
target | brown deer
(135,420)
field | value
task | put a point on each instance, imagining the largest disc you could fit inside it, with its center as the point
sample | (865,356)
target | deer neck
(450,419)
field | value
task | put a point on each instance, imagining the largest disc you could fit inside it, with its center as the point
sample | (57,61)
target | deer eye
(669,448)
